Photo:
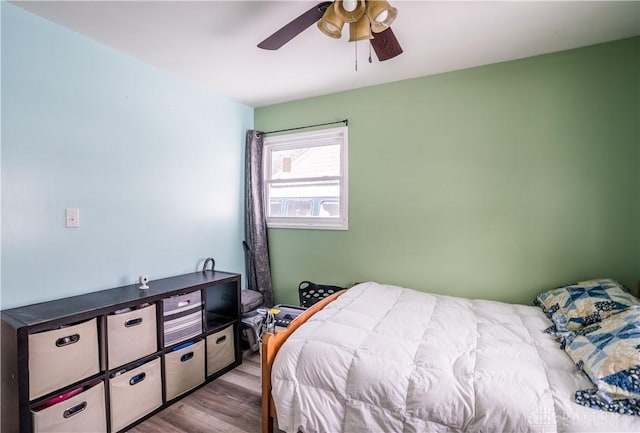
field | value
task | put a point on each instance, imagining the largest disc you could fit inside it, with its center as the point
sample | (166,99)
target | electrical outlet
(73,218)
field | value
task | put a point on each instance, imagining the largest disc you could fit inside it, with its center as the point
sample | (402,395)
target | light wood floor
(229,404)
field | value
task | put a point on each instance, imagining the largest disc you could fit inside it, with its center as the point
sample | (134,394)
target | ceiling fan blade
(295,27)
(386,45)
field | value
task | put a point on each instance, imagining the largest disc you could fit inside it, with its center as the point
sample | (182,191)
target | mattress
(387,359)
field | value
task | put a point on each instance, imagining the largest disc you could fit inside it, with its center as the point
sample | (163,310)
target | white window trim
(305,140)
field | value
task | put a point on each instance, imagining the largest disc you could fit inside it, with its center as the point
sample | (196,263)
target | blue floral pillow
(578,305)
(609,354)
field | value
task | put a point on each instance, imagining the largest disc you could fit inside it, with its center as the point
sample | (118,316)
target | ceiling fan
(367,19)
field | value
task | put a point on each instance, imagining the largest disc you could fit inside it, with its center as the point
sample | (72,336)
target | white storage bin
(61,357)
(132,335)
(135,393)
(84,412)
(184,369)
(220,350)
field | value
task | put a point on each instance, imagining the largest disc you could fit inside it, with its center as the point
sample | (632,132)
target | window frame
(303,140)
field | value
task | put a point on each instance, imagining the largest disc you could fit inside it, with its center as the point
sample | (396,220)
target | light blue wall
(153,163)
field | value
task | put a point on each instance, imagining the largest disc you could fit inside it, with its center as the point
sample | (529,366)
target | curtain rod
(345,121)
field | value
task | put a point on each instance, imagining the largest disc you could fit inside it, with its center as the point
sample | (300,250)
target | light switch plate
(73,218)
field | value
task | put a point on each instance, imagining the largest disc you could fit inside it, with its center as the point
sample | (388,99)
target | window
(306,180)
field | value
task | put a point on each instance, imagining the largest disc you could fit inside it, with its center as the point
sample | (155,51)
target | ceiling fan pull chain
(356,45)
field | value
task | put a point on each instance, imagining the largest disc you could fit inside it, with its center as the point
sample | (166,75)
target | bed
(380,358)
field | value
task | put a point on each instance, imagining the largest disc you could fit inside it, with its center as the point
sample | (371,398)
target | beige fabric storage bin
(220,350)
(81,413)
(61,357)
(132,335)
(135,393)
(184,369)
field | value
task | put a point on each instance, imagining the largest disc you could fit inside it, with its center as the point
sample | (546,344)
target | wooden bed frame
(270,345)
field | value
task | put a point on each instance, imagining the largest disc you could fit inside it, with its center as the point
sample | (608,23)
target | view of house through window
(306,179)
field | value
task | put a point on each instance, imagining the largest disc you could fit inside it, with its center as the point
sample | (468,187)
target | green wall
(493,182)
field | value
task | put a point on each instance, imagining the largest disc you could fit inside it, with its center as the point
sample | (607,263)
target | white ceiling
(213,43)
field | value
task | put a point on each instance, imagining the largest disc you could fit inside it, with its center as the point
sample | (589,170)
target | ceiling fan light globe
(330,30)
(350,5)
(349,16)
(330,24)
(360,30)
(381,14)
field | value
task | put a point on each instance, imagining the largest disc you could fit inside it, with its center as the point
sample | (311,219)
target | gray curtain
(256,245)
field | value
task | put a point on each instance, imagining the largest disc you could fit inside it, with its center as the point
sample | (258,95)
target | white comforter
(388,359)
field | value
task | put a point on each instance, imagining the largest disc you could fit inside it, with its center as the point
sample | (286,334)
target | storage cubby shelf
(197,314)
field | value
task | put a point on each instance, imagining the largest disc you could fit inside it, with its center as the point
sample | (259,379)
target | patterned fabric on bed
(609,354)
(587,302)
